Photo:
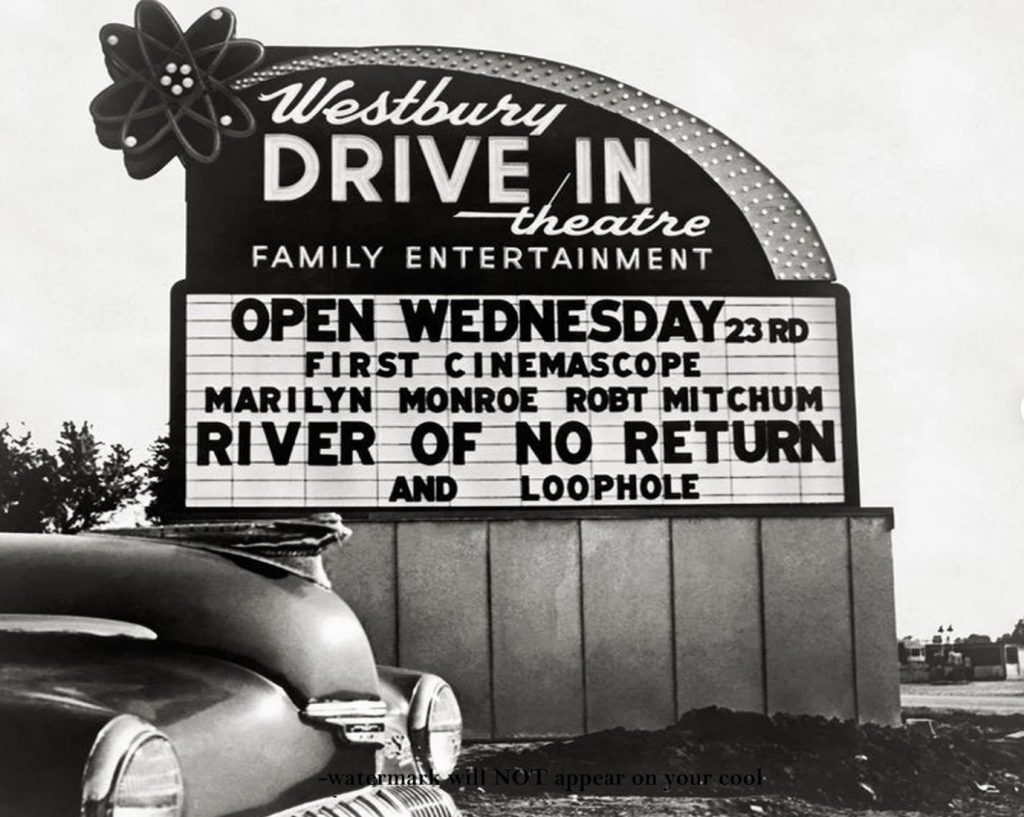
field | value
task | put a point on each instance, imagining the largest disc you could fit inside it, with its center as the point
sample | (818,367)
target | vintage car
(210,673)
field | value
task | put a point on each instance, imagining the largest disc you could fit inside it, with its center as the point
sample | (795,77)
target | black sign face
(432,280)
(363,174)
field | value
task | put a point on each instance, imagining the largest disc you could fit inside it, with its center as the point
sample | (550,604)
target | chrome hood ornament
(295,545)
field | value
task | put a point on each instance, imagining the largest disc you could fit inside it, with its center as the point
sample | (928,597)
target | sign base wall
(559,627)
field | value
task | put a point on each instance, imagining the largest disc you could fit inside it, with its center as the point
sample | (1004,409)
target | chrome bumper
(379,801)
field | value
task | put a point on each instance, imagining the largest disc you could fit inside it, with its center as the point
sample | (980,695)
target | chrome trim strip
(359,721)
(358,710)
(73,625)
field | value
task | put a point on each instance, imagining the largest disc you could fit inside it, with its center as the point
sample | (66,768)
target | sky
(898,126)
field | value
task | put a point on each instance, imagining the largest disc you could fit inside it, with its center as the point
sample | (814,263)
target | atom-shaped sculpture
(170,95)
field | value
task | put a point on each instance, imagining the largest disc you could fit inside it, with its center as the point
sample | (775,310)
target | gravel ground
(794,767)
(498,805)
(482,805)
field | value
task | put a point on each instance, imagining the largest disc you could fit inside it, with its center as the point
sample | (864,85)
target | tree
(89,489)
(162,491)
(66,493)
(1017,634)
(27,479)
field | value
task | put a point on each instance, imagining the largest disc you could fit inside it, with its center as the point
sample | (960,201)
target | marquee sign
(436,278)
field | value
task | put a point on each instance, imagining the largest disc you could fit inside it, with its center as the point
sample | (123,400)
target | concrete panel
(878,680)
(808,630)
(443,616)
(363,573)
(538,651)
(627,623)
(718,614)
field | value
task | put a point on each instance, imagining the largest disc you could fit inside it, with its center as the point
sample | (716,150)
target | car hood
(243,745)
(257,615)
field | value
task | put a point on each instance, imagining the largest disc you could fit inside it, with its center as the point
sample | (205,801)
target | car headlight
(132,771)
(435,725)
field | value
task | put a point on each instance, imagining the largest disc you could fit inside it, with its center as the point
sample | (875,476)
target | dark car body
(262,680)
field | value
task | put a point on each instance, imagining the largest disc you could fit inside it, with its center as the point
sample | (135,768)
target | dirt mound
(715,752)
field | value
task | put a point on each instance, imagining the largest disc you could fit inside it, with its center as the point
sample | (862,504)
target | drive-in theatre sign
(573,362)
(429,277)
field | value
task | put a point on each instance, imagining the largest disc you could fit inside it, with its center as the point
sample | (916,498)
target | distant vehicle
(212,676)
